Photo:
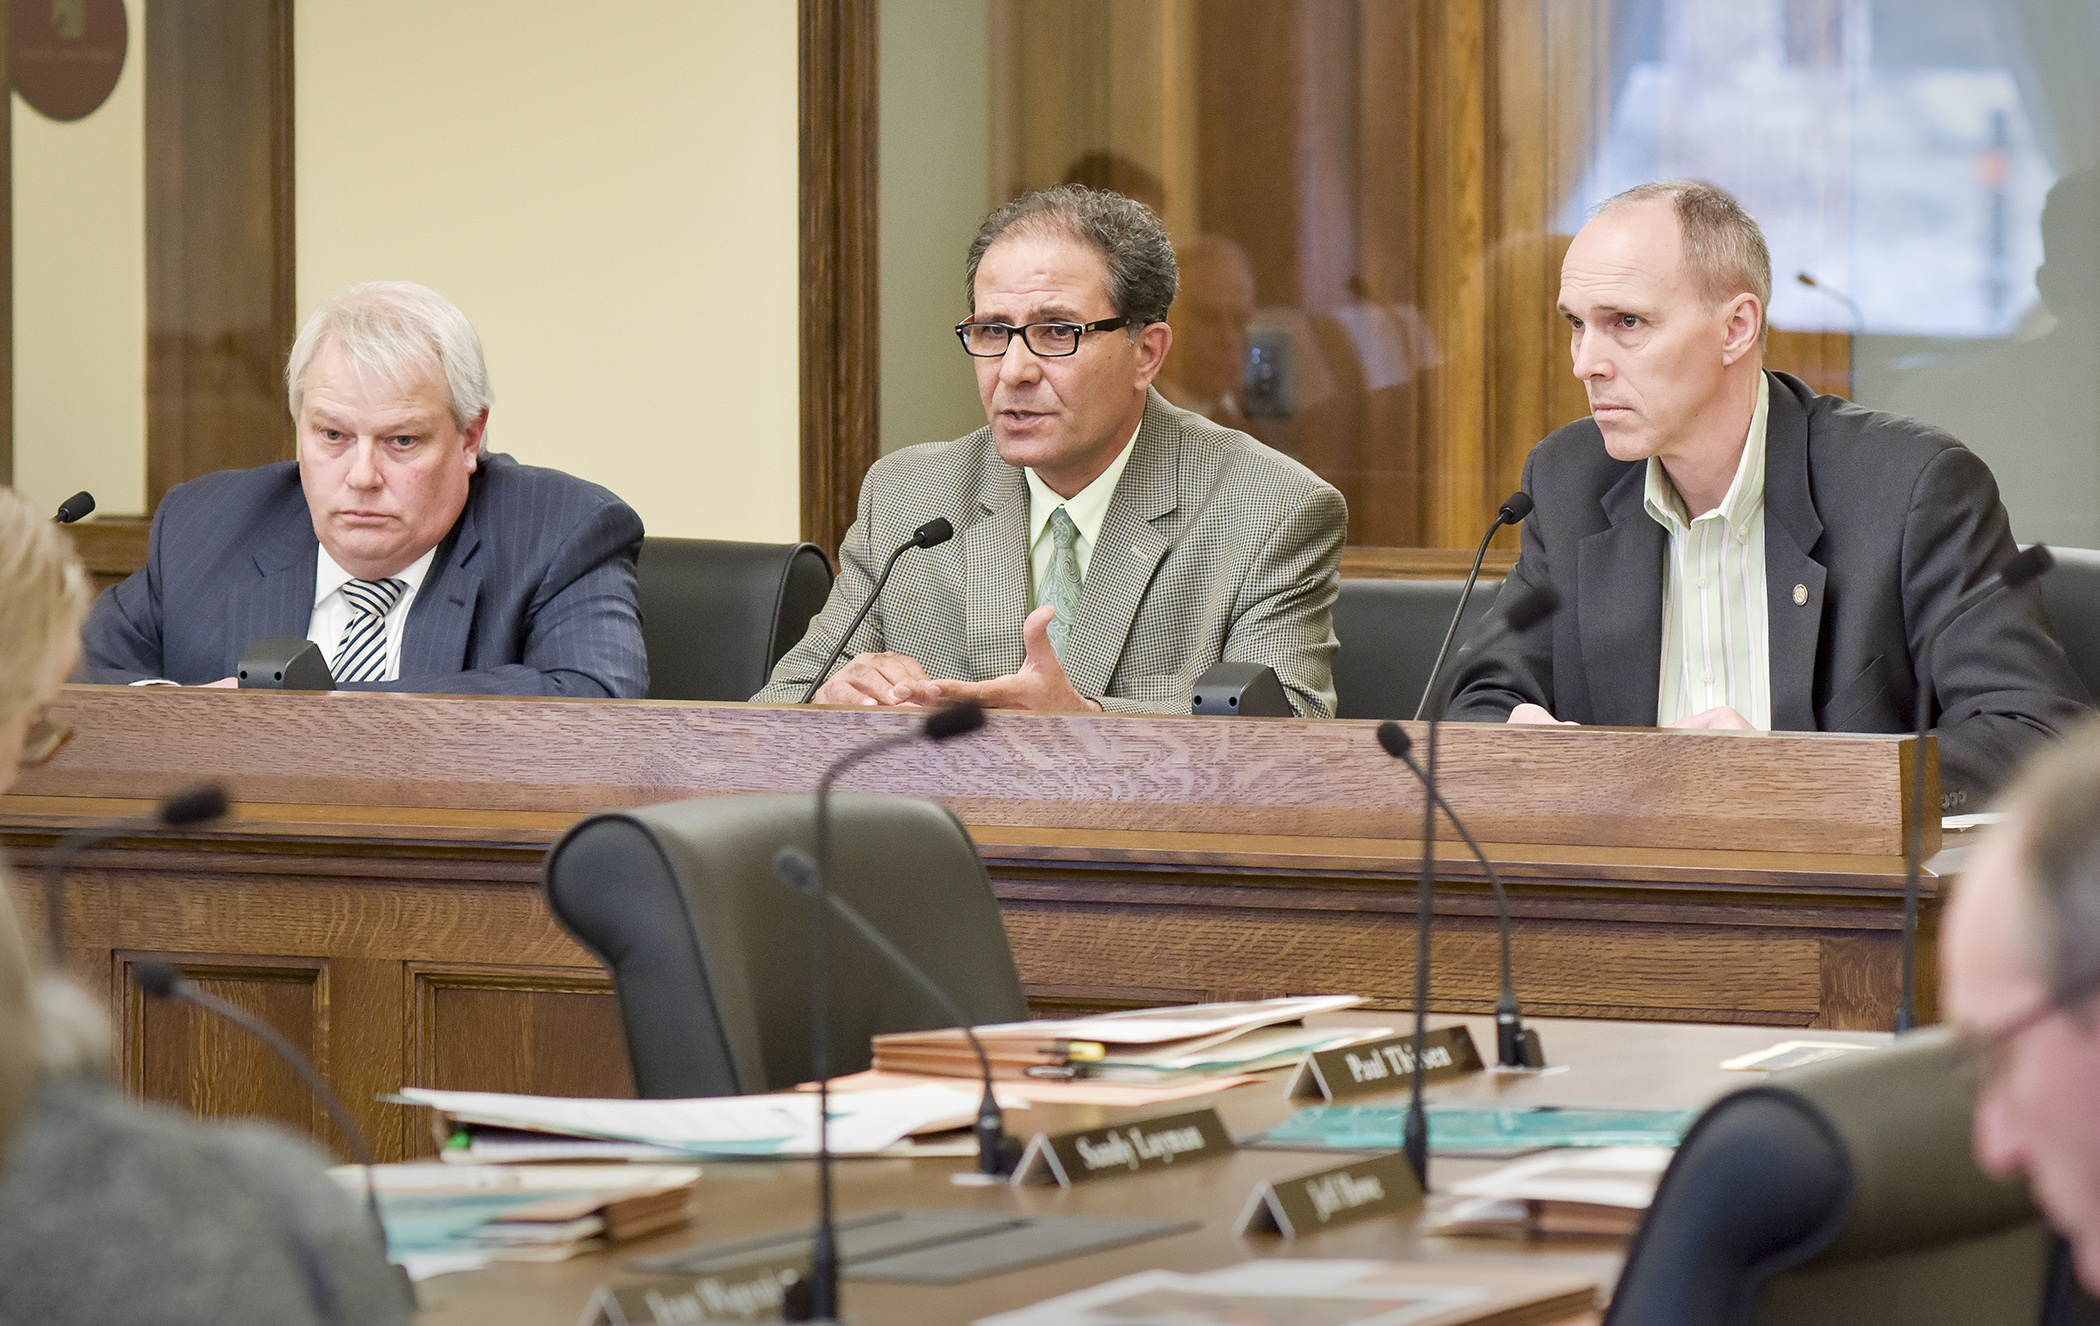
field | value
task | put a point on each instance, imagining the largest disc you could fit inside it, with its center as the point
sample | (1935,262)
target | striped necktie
(1060,588)
(362,656)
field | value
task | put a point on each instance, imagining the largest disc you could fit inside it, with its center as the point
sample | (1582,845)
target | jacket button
(1801,595)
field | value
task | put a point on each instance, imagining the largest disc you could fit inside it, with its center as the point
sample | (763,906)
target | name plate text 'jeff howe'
(1383,1065)
(1330,1197)
(1125,1148)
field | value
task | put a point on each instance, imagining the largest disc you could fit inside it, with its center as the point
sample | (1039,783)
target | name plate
(1127,1148)
(753,1292)
(1383,1065)
(1330,1197)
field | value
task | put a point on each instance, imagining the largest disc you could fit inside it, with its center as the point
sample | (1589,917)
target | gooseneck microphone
(935,531)
(2023,567)
(1513,1047)
(1529,606)
(822,1298)
(1512,512)
(997,1153)
(162,981)
(73,508)
(198,805)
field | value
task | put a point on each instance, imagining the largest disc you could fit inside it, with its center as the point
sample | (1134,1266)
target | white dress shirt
(332,611)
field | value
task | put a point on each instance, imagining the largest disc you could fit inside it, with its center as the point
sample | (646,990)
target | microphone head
(954,720)
(2027,564)
(73,508)
(1531,607)
(1516,508)
(934,531)
(195,806)
(1394,738)
(792,867)
(158,979)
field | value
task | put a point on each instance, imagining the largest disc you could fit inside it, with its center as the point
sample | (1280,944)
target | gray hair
(2056,808)
(396,331)
(1724,247)
(1142,275)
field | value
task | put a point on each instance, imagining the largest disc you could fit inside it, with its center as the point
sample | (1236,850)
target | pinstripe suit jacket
(531,593)
(1214,547)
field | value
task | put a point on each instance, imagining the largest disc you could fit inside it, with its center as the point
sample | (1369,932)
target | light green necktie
(1060,588)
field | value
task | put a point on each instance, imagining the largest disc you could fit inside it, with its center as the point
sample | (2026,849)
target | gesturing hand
(1041,684)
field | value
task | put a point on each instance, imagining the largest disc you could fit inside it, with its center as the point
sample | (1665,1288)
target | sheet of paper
(1623,1176)
(1020,1093)
(1790,1054)
(782,1124)
(1149,1026)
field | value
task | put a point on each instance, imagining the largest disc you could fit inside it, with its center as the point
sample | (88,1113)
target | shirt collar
(1088,507)
(328,577)
(1746,494)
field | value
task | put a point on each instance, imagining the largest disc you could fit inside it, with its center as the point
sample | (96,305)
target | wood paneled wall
(1396,173)
(219,275)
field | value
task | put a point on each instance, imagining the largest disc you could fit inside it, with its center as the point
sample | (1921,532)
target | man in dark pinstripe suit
(1109,547)
(414,559)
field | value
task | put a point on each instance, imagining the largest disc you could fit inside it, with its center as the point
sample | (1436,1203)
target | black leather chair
(2071,589)
(709,952)
(1389,632)
(717,615)
(1841,1193)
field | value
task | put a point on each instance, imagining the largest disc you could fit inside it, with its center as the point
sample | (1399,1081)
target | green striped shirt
(1717,639)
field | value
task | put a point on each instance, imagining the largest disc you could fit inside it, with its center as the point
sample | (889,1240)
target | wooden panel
(219,274)
(1602,787)
(840,365)
(1821,359)
(1366,563)
(111,549)
(181,1055)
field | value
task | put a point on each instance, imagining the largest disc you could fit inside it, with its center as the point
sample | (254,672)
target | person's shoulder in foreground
(114,1213)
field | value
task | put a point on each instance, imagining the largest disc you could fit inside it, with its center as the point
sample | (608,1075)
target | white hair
(397,331)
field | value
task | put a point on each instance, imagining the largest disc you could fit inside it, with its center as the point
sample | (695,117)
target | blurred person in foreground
(112,1212)
(2020,983)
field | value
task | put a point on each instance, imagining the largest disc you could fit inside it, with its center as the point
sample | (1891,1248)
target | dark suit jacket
(1214,547)
(531,593)
(1882,522)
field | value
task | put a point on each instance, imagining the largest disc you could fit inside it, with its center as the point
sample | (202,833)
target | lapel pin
(1801,596)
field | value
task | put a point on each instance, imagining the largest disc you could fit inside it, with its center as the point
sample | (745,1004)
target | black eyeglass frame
(1982,1057)
(1078,330)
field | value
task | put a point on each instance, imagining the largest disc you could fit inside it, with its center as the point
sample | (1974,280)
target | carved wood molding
(840,362)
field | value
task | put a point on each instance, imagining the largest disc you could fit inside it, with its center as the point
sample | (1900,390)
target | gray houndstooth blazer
(1215,547)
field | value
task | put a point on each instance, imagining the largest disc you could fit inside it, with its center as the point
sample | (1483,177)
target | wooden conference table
(1622,1065)
(375,894)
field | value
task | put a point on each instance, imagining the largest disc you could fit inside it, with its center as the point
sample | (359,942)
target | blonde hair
(43,598)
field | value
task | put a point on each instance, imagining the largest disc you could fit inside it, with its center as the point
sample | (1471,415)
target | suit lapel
(283,603)
(995,559)
(442,617)
(1792,530)
(1619,579)
(1128,552)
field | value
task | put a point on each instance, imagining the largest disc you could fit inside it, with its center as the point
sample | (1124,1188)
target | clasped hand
(1720,716)
(900,680)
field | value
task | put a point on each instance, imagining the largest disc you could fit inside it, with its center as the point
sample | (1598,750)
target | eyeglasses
(1983,1057)
(1051,340)
(45,735)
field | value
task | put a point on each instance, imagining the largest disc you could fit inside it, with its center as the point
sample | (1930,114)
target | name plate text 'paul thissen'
(1383,1065)
(1125,1148)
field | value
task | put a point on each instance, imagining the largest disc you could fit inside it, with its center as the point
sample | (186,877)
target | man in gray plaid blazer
(1109,547)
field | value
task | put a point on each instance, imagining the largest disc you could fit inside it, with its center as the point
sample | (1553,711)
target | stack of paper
(784,1124)
(1596,1194)
(1151,1045)
(1332,1293)
(537,1213)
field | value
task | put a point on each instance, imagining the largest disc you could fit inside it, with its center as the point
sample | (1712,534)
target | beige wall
(80,296)
(936,187)
(609,192)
